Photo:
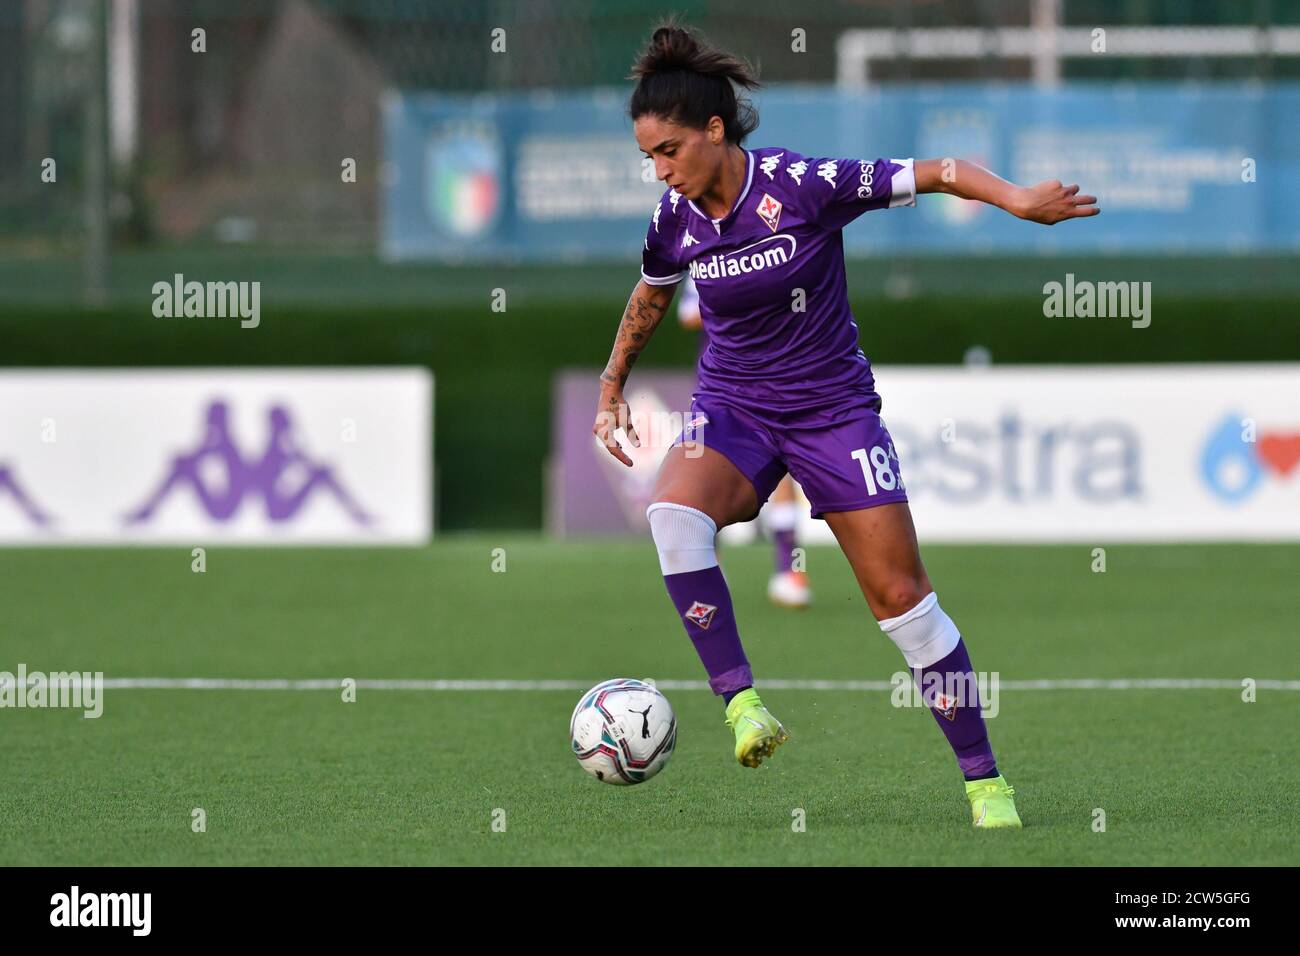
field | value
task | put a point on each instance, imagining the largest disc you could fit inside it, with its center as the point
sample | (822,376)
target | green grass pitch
(414,777)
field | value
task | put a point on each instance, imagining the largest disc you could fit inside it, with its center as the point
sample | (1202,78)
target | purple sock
(784,544)
(956,708)
(704,604)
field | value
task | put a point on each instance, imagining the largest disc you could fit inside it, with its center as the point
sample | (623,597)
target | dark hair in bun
(681,78)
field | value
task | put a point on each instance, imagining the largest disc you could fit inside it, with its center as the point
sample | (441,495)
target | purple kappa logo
(9,486)
(284,476)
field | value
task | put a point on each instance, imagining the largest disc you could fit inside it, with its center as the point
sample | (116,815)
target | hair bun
(681,77)
(673,49)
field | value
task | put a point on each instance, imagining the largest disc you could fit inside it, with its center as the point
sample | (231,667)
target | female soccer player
(788,587)
(784,386)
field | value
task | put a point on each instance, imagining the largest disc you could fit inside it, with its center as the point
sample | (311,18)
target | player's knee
(924,632)
(900,595)
(682,496)
(683,537)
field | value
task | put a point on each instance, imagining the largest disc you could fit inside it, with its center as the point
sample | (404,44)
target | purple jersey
(770,275)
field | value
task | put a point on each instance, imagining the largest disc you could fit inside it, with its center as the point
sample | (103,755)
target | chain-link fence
(159,122)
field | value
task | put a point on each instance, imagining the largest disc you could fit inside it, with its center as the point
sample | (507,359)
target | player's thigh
(850,474)
(705,479)
(880,544)
(725,463)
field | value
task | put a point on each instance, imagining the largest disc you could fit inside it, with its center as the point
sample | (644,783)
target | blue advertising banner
(558,176)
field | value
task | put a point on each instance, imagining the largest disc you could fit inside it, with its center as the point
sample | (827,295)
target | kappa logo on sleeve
(688,240)
(658,209)
(796,171)
(701,613)
(828,171)
(769,164)
(769,210)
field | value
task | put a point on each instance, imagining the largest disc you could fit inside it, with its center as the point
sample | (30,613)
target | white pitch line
(209,683)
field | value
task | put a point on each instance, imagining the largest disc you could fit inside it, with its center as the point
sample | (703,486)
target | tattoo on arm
(640,319)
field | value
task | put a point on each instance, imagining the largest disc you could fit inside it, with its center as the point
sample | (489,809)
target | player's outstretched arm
(644,311)
(1048,202)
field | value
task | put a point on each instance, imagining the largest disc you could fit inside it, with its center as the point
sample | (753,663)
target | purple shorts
(845,466)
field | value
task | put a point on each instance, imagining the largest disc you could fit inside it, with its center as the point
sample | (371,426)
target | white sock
(925,634)
(683,537)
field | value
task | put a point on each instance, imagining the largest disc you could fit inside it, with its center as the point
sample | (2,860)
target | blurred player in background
(787,587)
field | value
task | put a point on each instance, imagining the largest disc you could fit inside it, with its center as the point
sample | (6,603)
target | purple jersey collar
(749,181)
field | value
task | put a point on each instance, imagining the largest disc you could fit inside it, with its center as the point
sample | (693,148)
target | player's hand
(612,412)
(1049,203)
(691,321)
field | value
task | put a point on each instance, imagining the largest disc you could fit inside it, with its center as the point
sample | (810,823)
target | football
(623,731)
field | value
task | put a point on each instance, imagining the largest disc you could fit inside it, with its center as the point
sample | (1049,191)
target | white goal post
(1046,46)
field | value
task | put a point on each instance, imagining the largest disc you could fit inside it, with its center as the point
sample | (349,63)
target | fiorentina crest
(769,210)
(702,614)
(946,706)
